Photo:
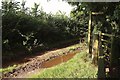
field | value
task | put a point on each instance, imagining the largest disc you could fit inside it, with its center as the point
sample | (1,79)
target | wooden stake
(89,33)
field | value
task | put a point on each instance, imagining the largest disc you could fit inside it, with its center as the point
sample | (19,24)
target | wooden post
(89,33)
(89,30)
(101,62)
(115,56)
(111,58)
(95,49)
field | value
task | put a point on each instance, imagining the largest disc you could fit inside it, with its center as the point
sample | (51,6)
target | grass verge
(8,69)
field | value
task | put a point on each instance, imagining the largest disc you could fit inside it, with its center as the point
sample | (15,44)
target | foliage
(27,29)
(110,13)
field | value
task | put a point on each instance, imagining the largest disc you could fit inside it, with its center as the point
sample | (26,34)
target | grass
(8,69)
(78,67)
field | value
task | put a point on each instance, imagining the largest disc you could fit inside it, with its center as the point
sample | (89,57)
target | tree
(35,9)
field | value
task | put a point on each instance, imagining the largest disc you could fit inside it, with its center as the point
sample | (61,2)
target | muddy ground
(40,62)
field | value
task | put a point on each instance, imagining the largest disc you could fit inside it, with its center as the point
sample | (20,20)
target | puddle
(58,60)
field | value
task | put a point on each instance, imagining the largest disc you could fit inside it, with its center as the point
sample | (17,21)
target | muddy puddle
(58,60)
(48,64)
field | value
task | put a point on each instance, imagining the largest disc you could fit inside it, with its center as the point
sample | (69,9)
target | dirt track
(43,61)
